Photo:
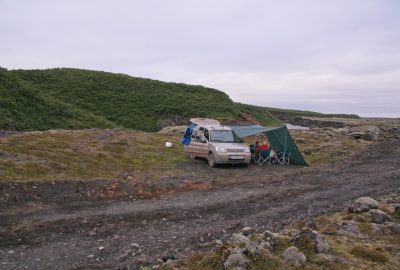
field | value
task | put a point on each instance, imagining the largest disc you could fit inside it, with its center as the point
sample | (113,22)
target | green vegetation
(87,154)
(66,98)
(369,253)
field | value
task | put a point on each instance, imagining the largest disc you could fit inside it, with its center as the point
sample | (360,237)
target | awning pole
(284,152)
(285,139)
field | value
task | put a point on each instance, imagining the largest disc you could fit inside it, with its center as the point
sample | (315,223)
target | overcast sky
(327,56)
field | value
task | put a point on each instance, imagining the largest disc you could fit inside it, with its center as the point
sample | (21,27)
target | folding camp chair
(274,158)
(262,157)
(284,158)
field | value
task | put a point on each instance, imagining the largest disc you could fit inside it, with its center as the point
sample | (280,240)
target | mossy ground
(109,154)
(87,154)
(327,146)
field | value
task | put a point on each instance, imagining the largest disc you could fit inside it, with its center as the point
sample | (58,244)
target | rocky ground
(362,236)
(134,223)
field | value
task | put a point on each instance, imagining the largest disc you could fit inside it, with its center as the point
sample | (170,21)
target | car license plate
(236,157)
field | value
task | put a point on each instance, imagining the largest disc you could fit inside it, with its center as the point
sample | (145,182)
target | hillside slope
(24,107)
(73,99)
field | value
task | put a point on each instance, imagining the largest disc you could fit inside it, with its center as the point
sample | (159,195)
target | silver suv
(218,144)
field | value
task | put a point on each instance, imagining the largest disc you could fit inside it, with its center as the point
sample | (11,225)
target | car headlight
(247,150)
(219,149)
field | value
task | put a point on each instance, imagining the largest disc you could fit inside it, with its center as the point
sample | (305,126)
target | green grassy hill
(74,99)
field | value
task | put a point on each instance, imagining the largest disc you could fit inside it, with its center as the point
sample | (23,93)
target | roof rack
(205,121)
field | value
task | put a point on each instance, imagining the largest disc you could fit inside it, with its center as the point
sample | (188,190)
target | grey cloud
(300,54)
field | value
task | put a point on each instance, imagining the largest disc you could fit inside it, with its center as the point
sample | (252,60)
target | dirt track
(124,232)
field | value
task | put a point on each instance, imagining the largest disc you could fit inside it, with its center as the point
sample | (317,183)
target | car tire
(211,160)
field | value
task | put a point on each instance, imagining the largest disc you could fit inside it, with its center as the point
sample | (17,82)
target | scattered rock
(376,229)
(218,242)
(363,204)
(308,151)
(239,239)
(310,240)
(256,251)
(300,140)
(310,223)
(293,255)
(394,227)
(378,216)
(142,260)
(290,232)
(236,261)
(356,135)
(274,239)
(247,231)
(168,257)
(369,136)
(349,228)
(266,245)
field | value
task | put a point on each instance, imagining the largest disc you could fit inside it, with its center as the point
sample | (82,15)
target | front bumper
(232,158)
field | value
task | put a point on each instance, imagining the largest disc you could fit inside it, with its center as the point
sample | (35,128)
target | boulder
(356,135)
(393,227)
(273,238)
(247,231)
(236,261)
(300,140)
(308,151)
(380,217)
(310,240)
(256,251)
(294,256)
(377,229)
(266,245)
(369,136)
(238,239)
(218,242)
(289,232)
(363,204)
(349,228)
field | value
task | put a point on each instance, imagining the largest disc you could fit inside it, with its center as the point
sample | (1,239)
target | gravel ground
(126,232)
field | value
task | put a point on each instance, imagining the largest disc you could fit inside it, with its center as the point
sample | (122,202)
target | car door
(203,145)
(198,146)
(190,149)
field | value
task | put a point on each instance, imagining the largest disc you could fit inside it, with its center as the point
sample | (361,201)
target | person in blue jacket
(187,136)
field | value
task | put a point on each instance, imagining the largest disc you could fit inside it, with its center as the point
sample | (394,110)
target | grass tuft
(369,253)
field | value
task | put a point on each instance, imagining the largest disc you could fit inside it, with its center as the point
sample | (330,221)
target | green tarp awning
(279,138)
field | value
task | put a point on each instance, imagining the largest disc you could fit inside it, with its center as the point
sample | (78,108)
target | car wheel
(211,160)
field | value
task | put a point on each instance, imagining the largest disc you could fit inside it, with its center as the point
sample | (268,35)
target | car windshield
(225,136)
